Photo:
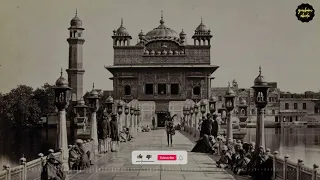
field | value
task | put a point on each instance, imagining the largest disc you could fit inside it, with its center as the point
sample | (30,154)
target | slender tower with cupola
(75,70)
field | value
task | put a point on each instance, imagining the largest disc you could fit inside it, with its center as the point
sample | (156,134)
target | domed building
(161,71)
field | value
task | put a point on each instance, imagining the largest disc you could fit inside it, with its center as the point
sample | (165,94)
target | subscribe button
(159,157)
(162,157)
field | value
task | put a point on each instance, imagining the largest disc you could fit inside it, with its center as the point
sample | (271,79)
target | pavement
(118,165)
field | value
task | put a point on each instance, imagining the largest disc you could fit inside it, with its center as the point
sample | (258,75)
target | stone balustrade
(32,170)
(283,167)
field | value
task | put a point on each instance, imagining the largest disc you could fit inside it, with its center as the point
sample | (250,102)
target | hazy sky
(246,34)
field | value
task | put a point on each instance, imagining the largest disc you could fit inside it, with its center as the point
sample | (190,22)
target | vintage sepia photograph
(159,90)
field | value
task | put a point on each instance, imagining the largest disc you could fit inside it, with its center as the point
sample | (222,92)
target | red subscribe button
(167,157)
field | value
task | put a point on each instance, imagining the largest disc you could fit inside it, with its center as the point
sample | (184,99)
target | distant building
(294,106)
(272,109)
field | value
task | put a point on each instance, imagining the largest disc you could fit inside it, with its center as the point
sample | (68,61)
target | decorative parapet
(32,170)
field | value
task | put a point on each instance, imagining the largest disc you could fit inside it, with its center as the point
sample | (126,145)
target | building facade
(162,70)
(271,111)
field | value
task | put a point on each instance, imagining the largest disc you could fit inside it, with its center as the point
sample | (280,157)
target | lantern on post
(131,113)
(222,110)
(261,100)
(81,112)
(94,106)
(108,103)
(243,113)
(212,104)
(185,110)
(191,117)
(61,101)
(120,111)
(229,102)
(203,107)
(126,112)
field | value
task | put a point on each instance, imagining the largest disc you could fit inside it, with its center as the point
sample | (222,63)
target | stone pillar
(229,127)
(94,132)
(260,136)
(126,121)
(62,139)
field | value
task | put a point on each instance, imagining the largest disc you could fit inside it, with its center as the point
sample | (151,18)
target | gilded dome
(94,92)
(81,102)
(229,91)
(162,32)
(243,101)
(260,80)
(61,82)
(109,99)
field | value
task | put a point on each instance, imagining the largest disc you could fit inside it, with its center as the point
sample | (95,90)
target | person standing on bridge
(169,128)
(115,140)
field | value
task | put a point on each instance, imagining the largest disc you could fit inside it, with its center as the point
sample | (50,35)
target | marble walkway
(118,165)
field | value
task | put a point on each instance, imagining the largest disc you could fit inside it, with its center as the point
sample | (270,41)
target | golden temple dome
(162,32)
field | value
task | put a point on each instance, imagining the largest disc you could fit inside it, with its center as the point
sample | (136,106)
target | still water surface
(299,143)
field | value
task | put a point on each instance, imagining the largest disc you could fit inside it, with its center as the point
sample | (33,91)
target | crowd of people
(238,156)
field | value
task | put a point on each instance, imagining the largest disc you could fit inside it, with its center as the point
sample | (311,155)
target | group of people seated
(242,159)
(125,135)
(238,156)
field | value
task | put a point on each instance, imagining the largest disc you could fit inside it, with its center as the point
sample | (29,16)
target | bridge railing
(32,170)
(283,168)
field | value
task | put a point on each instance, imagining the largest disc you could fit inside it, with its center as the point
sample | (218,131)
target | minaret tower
(75,70)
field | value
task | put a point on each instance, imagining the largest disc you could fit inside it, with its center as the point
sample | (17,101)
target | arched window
(127,90)
(253,111)
(273,112)
(196,91)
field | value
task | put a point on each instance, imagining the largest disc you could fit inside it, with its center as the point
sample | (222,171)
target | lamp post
(191,117)
(126,112)
(212,104)
(188,113)
(243,113)
(135,119)
(221,111)
(108,103)
(94,106)
(120,111)
(261,100)
(229,101)
(185,116)
(203,107)
(80,110)
(139,118)
(131,121)
(196,111)
(62,101)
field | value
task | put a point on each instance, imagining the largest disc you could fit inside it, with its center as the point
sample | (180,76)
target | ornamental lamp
(212,104)
(196,109)
(185,110)
(243,111)
(229,99)
(191,110)
(136,111)
(120,107)
(260,91)
(108,103)
(203,107)
(61,93)
(126,109)
(131,110)
(94,100)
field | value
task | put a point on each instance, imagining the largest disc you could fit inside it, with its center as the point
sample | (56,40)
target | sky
(246,34)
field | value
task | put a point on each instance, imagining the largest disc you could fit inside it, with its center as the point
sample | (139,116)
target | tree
(45,98)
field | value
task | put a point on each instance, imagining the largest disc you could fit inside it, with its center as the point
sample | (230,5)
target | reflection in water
(28,143)
(299,143)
